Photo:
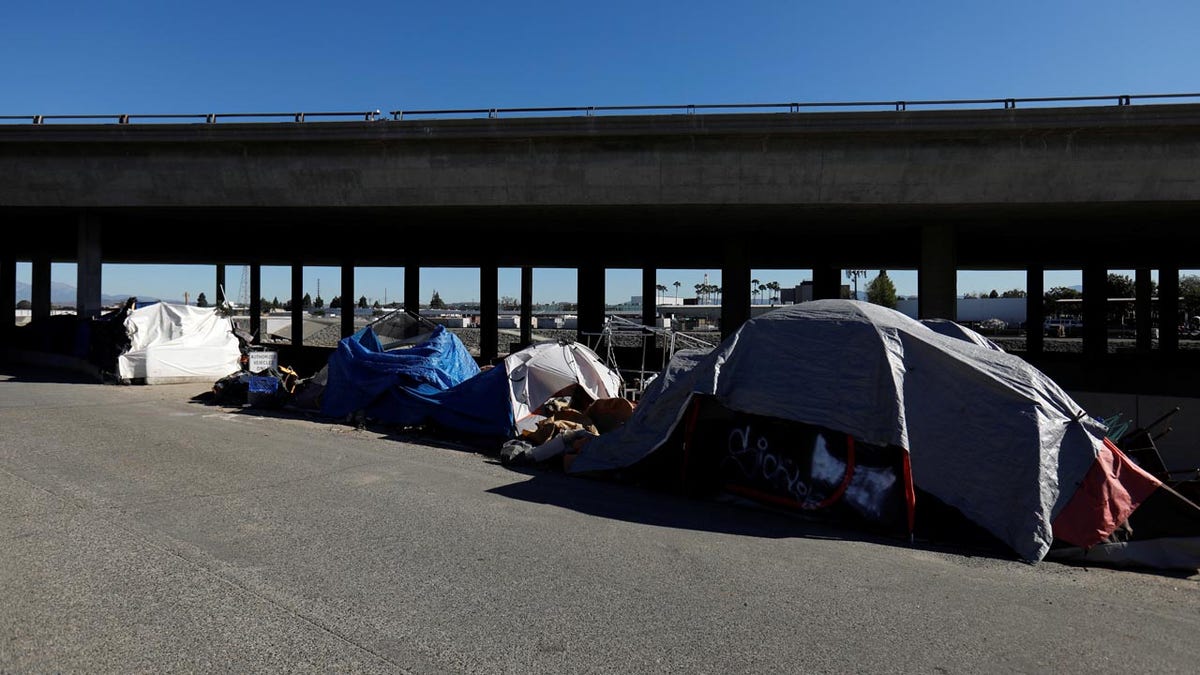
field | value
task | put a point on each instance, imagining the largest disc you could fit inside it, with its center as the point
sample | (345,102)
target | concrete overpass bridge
(1006,184)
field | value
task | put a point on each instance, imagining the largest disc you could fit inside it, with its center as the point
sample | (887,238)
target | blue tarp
(360,371)
(436,382)
(480,406)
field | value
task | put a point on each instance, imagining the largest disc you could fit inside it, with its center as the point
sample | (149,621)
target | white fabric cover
(986,432)
(538,372)
(177,343)
(957,330)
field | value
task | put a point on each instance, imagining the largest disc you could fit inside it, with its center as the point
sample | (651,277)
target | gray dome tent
(985,432)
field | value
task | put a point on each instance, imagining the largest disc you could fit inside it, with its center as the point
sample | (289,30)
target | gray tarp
(986,432)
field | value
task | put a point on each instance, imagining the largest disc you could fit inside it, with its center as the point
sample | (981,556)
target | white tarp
(538,372)
(957,330)
(178,343)
(986,432)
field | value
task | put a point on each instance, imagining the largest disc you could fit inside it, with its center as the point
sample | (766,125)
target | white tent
(540,372)
(173,343)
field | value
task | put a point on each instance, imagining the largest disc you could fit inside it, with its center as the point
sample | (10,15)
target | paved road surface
(144,532)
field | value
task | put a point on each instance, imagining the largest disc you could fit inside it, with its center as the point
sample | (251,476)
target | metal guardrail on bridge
(689,109)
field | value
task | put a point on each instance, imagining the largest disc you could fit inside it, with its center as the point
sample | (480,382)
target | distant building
(804,292)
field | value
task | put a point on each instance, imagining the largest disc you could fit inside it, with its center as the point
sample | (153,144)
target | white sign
(260,361)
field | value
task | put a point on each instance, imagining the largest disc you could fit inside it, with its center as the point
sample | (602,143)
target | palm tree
(662,290)
(761,288)
(677,291)
(774,286)
(700,289)
(753,287)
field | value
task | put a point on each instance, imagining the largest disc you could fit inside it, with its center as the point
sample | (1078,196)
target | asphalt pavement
(144,531)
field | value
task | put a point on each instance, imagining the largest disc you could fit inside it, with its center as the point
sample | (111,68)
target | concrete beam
(297,305)
(1168,308)
(220,281)
(1035,309)
(8,297)
(591,301)
(827,282)
(256,302)
(649,295)
(1095,310)
(735,284)
(937,279)
(1100,154)
(350,297)
(1144,309)
(489,307)
(526,306)
(88,266)
(412,287)
(40,293)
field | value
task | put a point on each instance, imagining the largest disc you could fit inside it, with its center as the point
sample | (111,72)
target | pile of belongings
(271,387)
(563,430)
(840,406)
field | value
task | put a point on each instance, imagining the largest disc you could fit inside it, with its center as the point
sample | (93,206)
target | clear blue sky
(218,56)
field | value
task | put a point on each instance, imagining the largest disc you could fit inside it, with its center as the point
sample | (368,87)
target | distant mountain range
(65,294)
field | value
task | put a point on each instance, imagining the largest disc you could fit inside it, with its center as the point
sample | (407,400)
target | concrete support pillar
(297,305)
(1095,310)
(591,301)
(1143,307)
(1035,309)
(649,295)
(937,280)
(526,306)
(256,302)
(349,299)
(412,288)
(40,292)
(489,307)
(827,282)
(8,298)
(220,296)
(87,287)
(1168,308)
(735,284)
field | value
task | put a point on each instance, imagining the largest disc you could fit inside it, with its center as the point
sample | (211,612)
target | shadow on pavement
(727,515)
(15,372)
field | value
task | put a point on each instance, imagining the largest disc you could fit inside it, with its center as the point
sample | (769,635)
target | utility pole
(854,275)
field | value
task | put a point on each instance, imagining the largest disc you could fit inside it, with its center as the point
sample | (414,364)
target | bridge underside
(998,236)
